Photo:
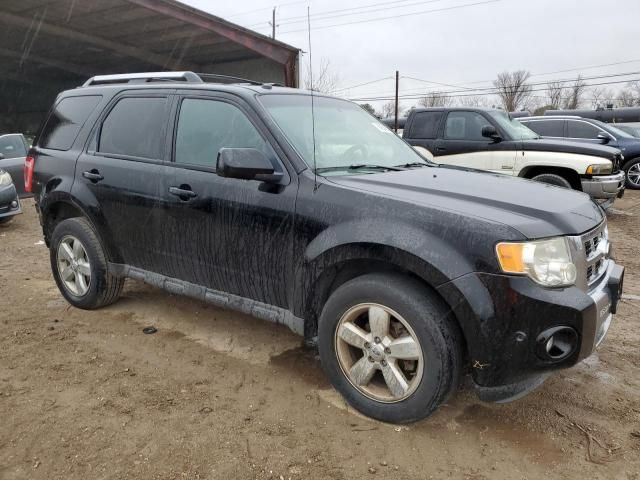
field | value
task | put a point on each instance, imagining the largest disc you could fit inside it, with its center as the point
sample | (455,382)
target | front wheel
(390,346)
(632,172)
(552,179)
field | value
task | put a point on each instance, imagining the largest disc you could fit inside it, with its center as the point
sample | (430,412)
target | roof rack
(188,77)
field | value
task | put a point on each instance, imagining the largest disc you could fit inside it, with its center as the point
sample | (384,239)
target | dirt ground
(218,395)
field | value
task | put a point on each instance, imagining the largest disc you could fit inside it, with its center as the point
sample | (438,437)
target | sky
(464,43)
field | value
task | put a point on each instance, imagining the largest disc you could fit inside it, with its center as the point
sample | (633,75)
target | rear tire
(552,179)
(632,172)
(79,266)
(429,360)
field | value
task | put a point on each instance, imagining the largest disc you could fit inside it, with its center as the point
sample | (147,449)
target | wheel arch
(567,173)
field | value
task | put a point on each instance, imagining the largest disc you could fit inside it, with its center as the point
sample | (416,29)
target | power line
(247,12)
(363,84)
(457,7)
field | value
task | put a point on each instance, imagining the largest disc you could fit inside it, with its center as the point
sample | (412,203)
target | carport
(49,45)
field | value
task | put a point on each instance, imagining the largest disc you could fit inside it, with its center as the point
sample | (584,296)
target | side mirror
(489,131)
(604,138)
(245,164)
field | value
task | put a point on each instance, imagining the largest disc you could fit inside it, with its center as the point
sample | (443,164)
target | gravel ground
(218,395)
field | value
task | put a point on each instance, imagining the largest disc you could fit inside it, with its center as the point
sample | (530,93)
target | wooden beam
(128,50)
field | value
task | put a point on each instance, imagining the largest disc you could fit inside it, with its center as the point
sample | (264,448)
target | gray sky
(455,46)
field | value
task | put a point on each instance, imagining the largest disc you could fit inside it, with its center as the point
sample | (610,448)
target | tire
(437,335)
(632,167)
(552,179)
(102,288)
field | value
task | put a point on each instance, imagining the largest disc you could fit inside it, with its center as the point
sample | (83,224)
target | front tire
(79,266)
(632,173)
(390,346)
(552,179)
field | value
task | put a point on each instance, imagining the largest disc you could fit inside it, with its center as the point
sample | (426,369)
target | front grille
(596,251)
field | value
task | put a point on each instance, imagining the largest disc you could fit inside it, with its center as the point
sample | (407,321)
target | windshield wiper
(360,166)
(413,164)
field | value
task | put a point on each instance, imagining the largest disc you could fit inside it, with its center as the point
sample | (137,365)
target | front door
(230,235)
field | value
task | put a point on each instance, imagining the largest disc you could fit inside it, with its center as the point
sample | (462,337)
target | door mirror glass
(489,131)
(604,138)
(244,163)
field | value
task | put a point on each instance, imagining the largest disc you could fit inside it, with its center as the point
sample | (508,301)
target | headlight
(5,178)
(599,169)
(547,262)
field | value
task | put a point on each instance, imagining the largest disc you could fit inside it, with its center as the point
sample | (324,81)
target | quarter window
(425,124)
(66,120)
(546,128)
(135,128)
(206,126)
(12,146)
(465,126)
(581,130)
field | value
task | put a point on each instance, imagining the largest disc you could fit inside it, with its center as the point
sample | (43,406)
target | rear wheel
(390,347)
(79,266)
(632,172)
(552,179)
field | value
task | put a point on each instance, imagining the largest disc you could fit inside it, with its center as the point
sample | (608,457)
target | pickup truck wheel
(79,266)
(632,172)
(552,179)
(390,347)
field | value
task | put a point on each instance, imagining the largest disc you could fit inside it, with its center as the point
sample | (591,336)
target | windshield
(612,130)
(345,135)
(514,128)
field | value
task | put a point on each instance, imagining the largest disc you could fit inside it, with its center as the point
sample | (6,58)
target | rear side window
(425,125)
(547,128)
(581,130)
(135,128)
(12,146)
(66,120)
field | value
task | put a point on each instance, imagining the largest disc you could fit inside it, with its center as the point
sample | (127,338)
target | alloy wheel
(633,174)
(379,352)
(73,266)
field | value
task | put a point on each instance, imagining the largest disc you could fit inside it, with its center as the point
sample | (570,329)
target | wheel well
(332,278)
(627,161)
(55,214)
(569,175)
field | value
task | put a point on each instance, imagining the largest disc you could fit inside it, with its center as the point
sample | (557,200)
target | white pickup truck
(487,139)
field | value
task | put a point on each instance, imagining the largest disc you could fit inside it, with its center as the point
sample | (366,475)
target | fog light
(556,344)
(14,204)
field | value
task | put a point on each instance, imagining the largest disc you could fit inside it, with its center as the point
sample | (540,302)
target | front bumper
(9,202)
(604,186)
(507,323)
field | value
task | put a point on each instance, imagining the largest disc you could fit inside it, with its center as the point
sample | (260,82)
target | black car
(9,202)
(13,151)
(403,272)
(593,131)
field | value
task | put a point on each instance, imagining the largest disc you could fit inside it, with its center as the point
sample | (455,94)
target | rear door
(13,151)
(231,235)
(122,176)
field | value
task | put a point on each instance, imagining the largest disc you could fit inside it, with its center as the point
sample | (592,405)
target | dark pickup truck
(488,139)
(404,273)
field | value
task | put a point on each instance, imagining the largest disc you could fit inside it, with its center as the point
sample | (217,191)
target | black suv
(307,211)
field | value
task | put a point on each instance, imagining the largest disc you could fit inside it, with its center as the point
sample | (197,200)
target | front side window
(465,126)
(135,128)
(425,125)
(513,128)
(547,128)
(345,135)
(206,126)
(581,130)
(66,120)
(12,146)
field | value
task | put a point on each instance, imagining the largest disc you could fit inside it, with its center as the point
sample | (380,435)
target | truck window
(134,128)
(66,120)
(206,126)
(465,126)
(578,129)
(12,146)
(425,125)
(546,128)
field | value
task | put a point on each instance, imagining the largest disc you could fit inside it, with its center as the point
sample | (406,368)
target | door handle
(93,175)
(184,192)
(440,149)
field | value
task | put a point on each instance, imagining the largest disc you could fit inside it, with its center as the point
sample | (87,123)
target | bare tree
(513,89)
(435,99)
(601,97)
(573,99)
(369,108)
(324,79)
(626,98)
(474,101)
(555,93)
(635,87)
(389,109)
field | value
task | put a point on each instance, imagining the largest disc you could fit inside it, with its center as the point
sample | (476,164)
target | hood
(566,146)
(534,209)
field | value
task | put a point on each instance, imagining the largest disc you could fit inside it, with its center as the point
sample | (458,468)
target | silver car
(13,151)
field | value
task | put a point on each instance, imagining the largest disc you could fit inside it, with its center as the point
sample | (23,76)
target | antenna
(313,117)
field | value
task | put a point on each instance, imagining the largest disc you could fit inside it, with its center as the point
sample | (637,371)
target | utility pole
(273,23)
(395,128)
